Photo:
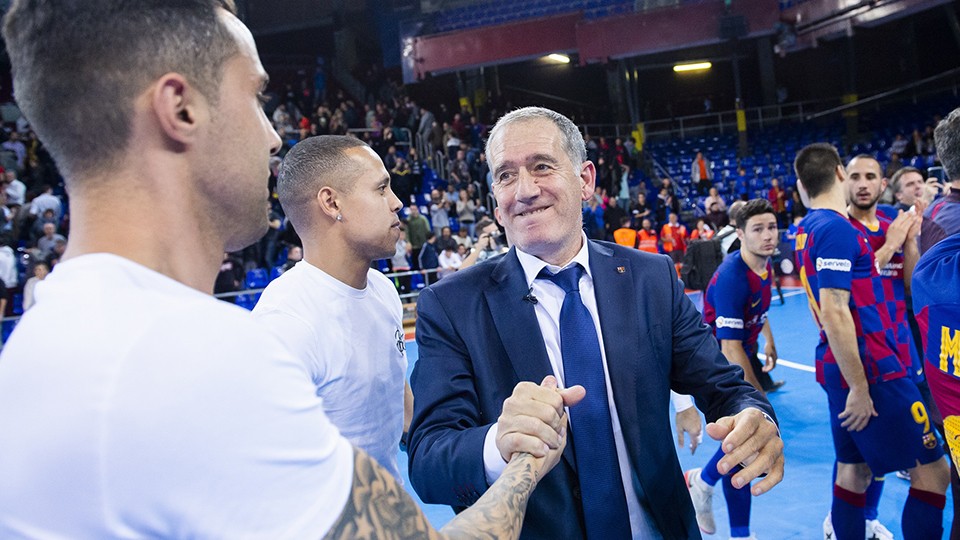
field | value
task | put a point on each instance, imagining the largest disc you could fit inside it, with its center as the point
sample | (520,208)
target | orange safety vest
(625,236)
(648,241)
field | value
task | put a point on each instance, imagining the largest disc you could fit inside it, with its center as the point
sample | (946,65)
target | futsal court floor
(795,508)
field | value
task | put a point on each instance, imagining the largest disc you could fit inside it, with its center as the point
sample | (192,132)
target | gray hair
(572,139)
(947,138)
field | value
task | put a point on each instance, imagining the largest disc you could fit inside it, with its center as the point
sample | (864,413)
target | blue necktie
(601,487)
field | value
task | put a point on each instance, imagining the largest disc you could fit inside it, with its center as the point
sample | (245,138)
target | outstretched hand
(751,440)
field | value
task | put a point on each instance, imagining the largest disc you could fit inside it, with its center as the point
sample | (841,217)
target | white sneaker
(876,531)
(702,496)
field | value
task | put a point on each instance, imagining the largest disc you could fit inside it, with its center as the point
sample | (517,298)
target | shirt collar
(533,265)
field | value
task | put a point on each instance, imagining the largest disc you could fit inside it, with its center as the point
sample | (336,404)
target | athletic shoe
(702,496)
(903,475)
(876,531)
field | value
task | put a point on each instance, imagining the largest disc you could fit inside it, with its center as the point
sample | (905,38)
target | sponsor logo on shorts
(725,322)
(837,265)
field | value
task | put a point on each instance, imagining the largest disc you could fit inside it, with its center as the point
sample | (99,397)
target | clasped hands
(533,421)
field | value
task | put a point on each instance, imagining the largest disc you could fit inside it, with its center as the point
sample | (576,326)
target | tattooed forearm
(499,513)
(378,507)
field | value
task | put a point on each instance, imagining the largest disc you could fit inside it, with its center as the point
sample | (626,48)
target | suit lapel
(517,326)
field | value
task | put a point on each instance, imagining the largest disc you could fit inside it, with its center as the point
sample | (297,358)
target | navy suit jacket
(478,338)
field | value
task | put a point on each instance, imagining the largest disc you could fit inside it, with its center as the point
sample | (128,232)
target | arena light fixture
(558,58)
(694,66)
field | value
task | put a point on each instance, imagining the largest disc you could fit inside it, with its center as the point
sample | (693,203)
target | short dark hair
(78,66)
(816,167)
(895,185)
(483,224)
(311,164)
(947,138)
(753,208)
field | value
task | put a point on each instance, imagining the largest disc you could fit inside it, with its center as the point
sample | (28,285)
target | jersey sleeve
(730,296)
(300,339)
(834,257)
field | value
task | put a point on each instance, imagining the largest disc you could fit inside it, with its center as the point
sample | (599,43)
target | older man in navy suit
(612,319)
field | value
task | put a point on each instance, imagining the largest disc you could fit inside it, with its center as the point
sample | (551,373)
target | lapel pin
(621,270)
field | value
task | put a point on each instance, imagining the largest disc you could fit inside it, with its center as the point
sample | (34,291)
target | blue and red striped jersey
(736,301)
(833,254)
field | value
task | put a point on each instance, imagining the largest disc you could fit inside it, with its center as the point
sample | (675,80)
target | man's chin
(250,235)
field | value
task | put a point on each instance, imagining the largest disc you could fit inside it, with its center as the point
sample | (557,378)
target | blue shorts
(899,437)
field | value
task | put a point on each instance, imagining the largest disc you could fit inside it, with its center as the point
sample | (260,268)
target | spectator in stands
(907,186)
(59,247)
(270,243)
(714,198)
(15,145)
(673,236)
(417,229)
(942,218)
(416,173)
(230,278)
(429,260)
(446,239)
(16,190)
(701,173)
(40,222)
(400,262)
(716,217)
(478,132)
(481,175)
(47,201)
(639,210)
(741,186)
(466,211)
(488,243)
(449,260)
(612,217)
(464,239)
(400,181)
(439,210)
(898,145)
(624,235)
(778,199)
(450,141)
(647,239)
(894,165)
(427,120)
(46,242)
(593,224)
(459,171)
(702,231)
(40,271)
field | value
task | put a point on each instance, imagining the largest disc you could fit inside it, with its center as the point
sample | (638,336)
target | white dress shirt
(549,301)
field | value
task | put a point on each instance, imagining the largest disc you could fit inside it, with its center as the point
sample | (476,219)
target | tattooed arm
(378,507)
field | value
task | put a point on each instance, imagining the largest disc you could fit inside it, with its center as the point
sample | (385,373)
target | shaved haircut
(312,164)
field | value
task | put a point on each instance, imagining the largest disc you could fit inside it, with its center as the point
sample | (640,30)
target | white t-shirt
(134,406)
(352,344)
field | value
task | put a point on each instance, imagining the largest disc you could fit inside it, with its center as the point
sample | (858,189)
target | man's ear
(179,108)
(329,202)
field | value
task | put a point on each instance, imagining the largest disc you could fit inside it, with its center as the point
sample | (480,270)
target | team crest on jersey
(837,265)
(401,344)
(929,441)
